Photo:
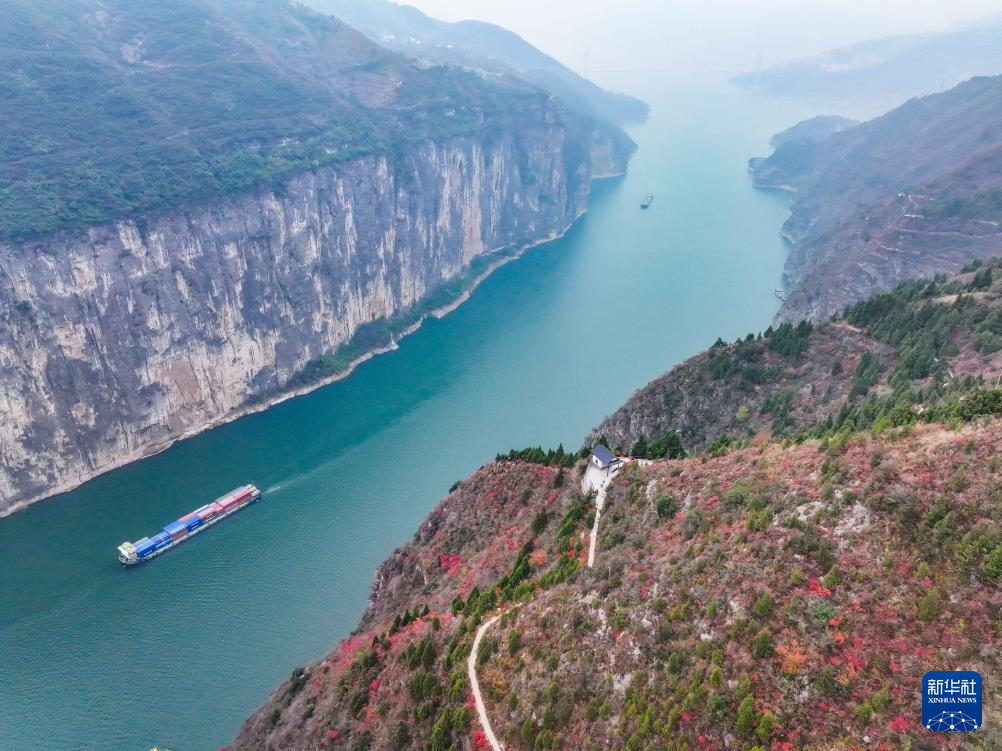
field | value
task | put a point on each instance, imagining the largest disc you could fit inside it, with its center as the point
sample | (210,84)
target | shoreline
(778,187)
(282,396)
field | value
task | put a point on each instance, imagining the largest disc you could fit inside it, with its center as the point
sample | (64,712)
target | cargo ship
(648,200)
(131,553)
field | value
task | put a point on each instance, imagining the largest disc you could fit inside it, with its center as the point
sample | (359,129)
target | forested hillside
(916,351)
(112,109)
(483,46)
(786,588)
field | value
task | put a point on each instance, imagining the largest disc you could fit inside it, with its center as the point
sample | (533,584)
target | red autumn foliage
(814,586)
(675,586)
(898,725)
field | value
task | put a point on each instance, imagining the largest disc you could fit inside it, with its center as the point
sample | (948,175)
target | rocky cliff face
(913,193)
(120,339)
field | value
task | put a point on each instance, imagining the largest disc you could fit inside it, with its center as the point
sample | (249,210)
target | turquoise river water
(178,652)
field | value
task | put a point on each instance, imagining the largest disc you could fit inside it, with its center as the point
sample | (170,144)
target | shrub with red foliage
(898,725)
(814,586)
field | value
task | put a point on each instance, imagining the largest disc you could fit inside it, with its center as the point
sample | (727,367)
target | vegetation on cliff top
(914,354)
(118,108)
(794,600)
(788,597)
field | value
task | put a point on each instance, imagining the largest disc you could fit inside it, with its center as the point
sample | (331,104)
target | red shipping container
(209,510)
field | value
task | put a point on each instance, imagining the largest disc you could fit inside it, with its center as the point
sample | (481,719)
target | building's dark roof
(603,454)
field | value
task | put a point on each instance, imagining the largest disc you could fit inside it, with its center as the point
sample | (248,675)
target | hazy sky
(693,34)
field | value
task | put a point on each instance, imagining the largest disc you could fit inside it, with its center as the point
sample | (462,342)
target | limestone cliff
(119,339)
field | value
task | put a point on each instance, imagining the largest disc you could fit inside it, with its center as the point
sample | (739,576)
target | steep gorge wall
(117,341)
(910,194)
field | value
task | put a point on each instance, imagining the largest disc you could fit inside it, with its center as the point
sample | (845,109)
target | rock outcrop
(117,340)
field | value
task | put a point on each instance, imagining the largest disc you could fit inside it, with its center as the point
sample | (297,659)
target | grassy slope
(809,587)
(358,695)
(794,601)
(776,595)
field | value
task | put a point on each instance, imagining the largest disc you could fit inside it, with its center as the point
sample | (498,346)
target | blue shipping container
(144,546)
(174,527)
(162,540)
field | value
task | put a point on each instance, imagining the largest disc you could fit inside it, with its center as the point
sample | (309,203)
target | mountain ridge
(773,590)
(479,44)
(883,73)
(911,193)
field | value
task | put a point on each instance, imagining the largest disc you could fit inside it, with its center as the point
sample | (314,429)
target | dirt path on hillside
(471,670)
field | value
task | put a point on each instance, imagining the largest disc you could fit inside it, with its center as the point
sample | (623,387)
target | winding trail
(599,504)
(589,482)
(471,670)
(595,479)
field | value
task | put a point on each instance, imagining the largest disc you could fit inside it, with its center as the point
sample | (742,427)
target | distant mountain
(886,72)
(814,130)
(981,22)
(915,192)
(480,45)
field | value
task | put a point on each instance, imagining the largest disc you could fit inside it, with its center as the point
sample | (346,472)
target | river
(178,652)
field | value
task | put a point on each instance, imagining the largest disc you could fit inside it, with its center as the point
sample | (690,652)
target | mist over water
(604,39)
